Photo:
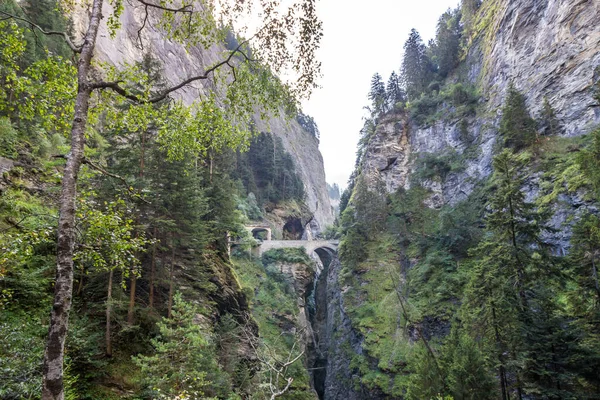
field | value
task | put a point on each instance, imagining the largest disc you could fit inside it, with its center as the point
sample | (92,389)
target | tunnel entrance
(318,319)
(293,229)
(261,234)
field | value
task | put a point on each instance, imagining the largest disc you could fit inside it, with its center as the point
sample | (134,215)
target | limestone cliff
(547,49)
(179,63)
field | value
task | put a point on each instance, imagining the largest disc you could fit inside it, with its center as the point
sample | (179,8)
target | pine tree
(467,369)
(469,9)
(377,95)
(416,66)
(394,91)
(184,362)
(550,126)
(516,126)
(447,42)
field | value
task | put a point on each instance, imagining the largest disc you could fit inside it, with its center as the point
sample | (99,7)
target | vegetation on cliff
(473,299)
(143,263)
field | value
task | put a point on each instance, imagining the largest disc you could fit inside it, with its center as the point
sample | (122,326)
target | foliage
(378,95)
(21,349)
(516,126)
(107,241)
(447,42)
(273,303)
(191,369)
(549,123)
(416,66)
(469,9)
(268,171)
(423,110)
(308,123)
(438,166)
(286,255)
(394,91)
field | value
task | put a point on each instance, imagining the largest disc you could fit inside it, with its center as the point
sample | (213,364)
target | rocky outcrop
(180,62)
(336,342)
(547,48)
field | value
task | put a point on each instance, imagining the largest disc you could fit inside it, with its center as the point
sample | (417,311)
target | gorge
(210,257)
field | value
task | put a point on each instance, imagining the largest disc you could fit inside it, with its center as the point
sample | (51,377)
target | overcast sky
(360,38)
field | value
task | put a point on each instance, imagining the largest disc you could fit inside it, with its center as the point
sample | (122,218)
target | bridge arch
(310,246)
(260,232)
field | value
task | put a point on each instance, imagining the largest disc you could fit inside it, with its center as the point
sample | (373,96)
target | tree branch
(188,9)
(115,176)
(161,96)
(109,174)
(33,26)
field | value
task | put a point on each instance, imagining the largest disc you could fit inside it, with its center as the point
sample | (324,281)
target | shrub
(8,139)
(434,166)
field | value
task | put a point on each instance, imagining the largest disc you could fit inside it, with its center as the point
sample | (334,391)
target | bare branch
(115,176)
(188,9)
(109,174)
(139,33)
(114,86)
(164,94)
(34,26)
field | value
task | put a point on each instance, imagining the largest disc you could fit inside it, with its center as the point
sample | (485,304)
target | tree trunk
(108,314)
(170,307)
(152,272)
(52,379)
(131,308)
(501,368)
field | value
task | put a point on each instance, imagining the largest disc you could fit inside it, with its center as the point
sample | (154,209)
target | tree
(394,91)
(299,28)
(377,95)
(416,66)
(469,9)
(108,244)
(183,362)
(549,123)
(586,254)
(516,126)
(447,42)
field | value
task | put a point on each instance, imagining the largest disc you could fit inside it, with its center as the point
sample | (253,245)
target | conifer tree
(415,66)
(377,95)
(469,9)
(394,91)
(550,125)
(516,126)
(447,42)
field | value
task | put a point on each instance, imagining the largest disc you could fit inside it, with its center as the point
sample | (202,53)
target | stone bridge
(254,229)
(309,245)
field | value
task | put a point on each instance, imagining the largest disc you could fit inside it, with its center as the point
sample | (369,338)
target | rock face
(181,62)
(548,48)
(336,341)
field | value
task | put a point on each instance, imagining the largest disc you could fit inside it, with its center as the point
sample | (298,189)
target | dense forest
(135,202)
(158,310)
(473,299)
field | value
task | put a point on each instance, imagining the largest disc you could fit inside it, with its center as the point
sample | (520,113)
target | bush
(423,110)
(290,255)
(8,139)
(431,166)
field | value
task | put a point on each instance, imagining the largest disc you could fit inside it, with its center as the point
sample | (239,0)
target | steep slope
(407,257)
(549,49)
(181,62)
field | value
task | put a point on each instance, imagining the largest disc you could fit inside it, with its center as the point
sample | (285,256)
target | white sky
(360,38)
